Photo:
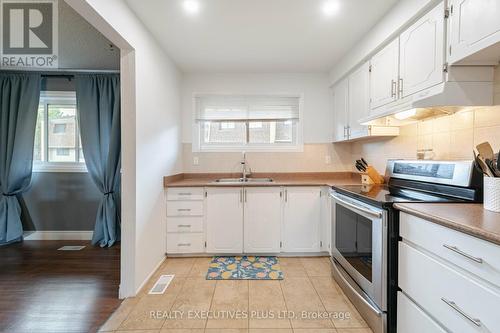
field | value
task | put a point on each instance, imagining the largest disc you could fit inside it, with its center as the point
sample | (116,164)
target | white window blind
(246,108)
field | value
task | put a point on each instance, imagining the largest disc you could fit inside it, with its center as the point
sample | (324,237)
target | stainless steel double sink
(243,180)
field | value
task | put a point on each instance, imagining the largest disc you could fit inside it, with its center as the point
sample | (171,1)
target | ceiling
(258,35)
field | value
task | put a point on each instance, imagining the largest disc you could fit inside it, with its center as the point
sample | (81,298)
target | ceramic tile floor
(193,304)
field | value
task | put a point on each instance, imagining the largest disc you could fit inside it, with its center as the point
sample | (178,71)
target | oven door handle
(358,208)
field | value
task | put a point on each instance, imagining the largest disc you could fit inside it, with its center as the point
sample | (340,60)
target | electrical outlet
(196,160)
(328,159)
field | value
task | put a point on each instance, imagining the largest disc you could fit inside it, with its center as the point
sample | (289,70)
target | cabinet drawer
(458,302)
(412,319)
(185,224)
(475,255)
(185,208)
(185,243)
(185,193)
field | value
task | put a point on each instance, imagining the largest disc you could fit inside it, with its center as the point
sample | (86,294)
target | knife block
(365,179)
(371,176)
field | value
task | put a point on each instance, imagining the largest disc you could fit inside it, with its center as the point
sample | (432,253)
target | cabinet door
(262,219)
(422,53)
(224,218)
(301,219)
(340,103)
(474,25)
(412,319)
(359,100)
(384,76)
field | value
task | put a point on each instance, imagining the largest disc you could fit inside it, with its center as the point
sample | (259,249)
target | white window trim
(196,129)
(58,97)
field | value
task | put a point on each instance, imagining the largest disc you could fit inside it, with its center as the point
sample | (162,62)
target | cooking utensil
(493,168)
(498,160)
(476,164)
(359,168)
(484,166)
(364,162)
(484,149)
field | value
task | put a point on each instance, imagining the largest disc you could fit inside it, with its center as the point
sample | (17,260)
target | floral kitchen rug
(244,268)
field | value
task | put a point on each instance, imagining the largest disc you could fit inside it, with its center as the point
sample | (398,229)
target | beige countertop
(279,179)
(471,219)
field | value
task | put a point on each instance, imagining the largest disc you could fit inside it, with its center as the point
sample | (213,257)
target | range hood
(452,95)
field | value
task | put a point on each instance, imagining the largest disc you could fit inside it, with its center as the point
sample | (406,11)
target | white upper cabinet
(301,219)
(359,99)
(340,104)
(262,219)
(474,31)
(384,75)
(422,53)
(224,218)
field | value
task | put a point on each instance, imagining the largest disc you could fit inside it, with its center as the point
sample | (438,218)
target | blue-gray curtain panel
(19,98)
(98,104)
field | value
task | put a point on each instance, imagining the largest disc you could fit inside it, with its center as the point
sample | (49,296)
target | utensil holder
(492,194)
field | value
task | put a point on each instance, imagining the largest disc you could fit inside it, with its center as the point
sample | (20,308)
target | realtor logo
(29,33)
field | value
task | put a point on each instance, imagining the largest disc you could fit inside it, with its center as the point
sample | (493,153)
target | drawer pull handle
(455,307)
(184,225)
(183,210)
(184,244)
(462,253)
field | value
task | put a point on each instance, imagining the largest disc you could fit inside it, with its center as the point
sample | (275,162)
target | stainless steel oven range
(365,229)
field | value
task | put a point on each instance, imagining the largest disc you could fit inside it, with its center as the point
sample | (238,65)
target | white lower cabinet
(412,319)
(224,220)
(182,242)
(448,278)
(262,219)
(301,219)
(185,209)
(235,220)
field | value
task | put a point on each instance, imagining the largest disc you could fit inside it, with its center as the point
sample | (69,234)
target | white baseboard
(58,235)
(138,290)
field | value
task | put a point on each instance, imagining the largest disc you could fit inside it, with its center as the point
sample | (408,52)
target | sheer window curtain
(98,104)
(19,98)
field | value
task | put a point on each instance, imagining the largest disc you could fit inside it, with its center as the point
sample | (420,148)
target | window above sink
(237,123)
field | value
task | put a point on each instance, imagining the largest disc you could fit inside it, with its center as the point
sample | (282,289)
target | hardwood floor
(45,290)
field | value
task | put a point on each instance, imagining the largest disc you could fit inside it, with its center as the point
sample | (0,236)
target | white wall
(151,135)
(81,45)
(317,113)
(385,30)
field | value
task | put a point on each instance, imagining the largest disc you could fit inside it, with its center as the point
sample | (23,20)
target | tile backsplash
(451,137)
(312,159)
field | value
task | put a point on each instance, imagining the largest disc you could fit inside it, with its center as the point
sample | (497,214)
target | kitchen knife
(364,162)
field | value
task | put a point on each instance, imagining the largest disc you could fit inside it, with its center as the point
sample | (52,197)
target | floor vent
(71,248)
(161,285)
